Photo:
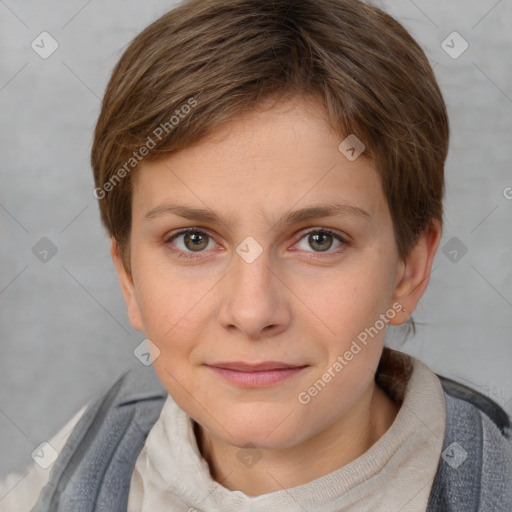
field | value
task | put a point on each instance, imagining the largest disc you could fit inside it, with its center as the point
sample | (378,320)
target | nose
(255,299)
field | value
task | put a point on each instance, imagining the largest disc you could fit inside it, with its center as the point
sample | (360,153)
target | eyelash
(200,254)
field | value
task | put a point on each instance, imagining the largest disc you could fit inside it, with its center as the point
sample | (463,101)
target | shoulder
(496,486)
(475,468)
(135,398)
(489,407)
(19,492)
(136,385)
(121,400)
(104,443)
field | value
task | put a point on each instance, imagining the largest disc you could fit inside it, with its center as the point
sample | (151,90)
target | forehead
(267,160)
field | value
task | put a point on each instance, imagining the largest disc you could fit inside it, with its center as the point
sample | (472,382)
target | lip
(255,375)
(242,366)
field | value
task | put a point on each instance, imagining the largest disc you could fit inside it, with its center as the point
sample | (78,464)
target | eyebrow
(293,217)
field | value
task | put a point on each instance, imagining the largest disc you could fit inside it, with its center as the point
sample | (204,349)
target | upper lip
(254,367)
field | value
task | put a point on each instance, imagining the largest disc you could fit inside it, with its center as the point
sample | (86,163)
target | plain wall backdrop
(64,331)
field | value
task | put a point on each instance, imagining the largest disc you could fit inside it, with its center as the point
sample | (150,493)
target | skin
(295,303)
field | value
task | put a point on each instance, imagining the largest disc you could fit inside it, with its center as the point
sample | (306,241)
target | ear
(127,287)
(414,275)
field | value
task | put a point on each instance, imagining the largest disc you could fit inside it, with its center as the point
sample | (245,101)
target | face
(263,243)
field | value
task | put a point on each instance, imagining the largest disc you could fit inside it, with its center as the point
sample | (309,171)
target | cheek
(174,316)
(349,303)
(170,299)
(349,299)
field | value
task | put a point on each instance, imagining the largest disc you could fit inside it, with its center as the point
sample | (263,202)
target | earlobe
(415,272)
(127,287)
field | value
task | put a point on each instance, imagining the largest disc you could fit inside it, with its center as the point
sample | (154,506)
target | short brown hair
(227,56)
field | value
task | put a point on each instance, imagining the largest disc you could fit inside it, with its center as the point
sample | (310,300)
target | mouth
(252,375)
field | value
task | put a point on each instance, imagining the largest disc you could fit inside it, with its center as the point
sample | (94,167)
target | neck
(331,449)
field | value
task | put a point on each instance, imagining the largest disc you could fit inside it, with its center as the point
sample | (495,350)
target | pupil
(198,241)
(319,240)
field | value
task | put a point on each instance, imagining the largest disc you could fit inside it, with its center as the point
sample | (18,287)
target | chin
(273,432)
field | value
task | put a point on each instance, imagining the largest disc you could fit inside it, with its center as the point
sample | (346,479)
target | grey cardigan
(93,471)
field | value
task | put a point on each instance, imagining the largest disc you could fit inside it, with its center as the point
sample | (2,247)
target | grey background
(64,330)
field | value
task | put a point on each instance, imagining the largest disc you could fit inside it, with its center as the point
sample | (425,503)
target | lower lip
(258,378)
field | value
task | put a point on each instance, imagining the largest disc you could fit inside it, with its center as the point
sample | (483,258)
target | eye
(191,241)
(321,240)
